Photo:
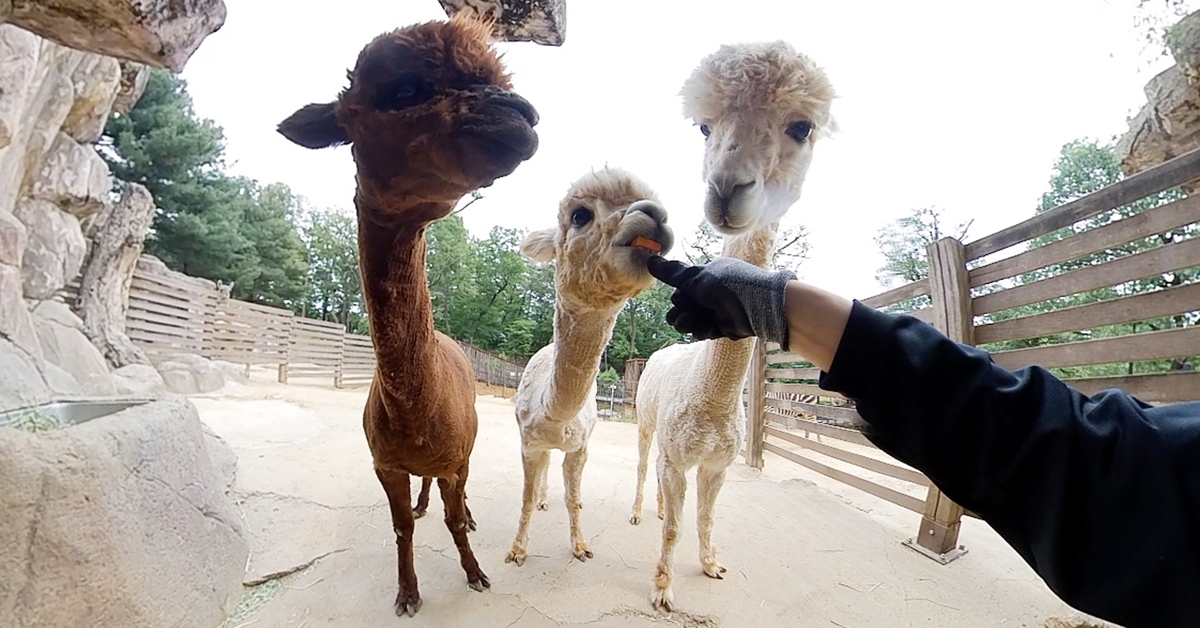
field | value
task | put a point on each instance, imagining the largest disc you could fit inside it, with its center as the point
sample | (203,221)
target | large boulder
(54,248)
(64,345)
(98,80)
(163,33)
(23,385)
(73,176)
(16,324)
(1169,124)
(138,380)
(188,374)
(119,521)
(12,239)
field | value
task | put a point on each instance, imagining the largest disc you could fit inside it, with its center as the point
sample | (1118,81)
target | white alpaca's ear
(539,245)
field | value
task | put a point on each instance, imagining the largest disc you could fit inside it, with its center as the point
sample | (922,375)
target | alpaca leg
(572,477)
(644,438)
(535,466)
(423,499)
(399,494)
(455,499)
(673,484)
(708,484)
(543,488)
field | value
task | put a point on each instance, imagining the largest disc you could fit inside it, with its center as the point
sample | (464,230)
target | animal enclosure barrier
(1106,306)
(173,314)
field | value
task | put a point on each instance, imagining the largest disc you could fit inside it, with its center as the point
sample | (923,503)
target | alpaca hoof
(417,514)
(479,582)
(635,519)
(516,556)
(407,604)
(582,552)
(714,571)
(663,600)
(543,506)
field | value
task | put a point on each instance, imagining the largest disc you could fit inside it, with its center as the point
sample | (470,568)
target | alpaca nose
(651,209)
(725,192)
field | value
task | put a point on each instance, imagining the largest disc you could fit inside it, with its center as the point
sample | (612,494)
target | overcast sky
(959,105)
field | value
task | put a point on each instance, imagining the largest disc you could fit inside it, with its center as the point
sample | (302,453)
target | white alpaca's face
(754,167)
(608,224)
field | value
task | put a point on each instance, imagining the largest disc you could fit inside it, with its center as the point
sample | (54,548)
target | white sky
(959,105)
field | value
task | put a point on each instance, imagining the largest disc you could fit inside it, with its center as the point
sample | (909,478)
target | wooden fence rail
(1018,302)
(172,314)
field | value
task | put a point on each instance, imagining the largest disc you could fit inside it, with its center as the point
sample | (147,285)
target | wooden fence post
(756,407)
(950,291)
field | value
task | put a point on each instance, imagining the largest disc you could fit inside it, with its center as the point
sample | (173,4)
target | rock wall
(56,93)
(54,102)
(1169,124)
(118,522)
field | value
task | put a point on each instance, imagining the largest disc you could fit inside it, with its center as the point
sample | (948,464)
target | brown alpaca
(430,117)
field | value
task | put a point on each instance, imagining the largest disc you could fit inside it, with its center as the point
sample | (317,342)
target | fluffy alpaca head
(429,113)
(761,108)
(599,244)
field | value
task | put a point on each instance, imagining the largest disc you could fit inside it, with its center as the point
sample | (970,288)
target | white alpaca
(761,107)
(604,223)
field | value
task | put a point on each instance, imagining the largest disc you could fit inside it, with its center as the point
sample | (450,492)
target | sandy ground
(801,550)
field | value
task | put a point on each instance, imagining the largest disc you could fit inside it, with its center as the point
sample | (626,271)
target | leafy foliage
(1084,167)
(208,223)
(904,242)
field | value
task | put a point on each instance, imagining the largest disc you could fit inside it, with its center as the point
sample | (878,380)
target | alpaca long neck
(392,262)
(580,336)
(722,364)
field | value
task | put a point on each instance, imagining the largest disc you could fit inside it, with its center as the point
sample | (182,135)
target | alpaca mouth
(642,242)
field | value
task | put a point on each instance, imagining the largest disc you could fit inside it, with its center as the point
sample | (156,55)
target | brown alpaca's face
(429,114)
(609,224)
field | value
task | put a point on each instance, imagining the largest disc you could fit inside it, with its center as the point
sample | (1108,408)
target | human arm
(1100,495)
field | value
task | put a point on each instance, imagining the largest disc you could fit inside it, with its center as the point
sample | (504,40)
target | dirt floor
(801,550)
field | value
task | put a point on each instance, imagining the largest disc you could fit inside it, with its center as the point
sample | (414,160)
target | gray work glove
(726,298)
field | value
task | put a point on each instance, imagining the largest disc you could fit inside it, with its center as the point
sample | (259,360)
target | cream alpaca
(761,107)
(596,271)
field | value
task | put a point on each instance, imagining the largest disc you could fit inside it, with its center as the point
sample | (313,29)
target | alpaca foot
(516,555)
(542,505)
(663,599)
(714,570)
(478,581)
(407,604)
(636,518)
(582,551)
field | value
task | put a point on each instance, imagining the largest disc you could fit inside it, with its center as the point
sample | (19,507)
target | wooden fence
(976,300)
(172,314)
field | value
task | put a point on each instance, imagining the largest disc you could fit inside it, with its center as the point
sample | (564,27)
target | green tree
(1084,167)
(334,289)
(450,270)
(903,243)
(704,245)
(208,224)
(277,276)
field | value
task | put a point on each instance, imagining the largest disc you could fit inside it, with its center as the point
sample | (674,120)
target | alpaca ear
(539,245)
(314,126)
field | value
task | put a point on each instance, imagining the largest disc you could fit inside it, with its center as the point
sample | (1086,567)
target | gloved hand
(726,298)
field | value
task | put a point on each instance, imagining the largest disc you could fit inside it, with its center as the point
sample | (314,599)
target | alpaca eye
(581,216)
(800,131)
(705,130)
(407,90)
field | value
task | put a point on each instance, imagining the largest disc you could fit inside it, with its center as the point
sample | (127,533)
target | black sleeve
(1100,495)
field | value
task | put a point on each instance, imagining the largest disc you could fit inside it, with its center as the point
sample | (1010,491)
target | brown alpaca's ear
(539,245)
(314,126)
